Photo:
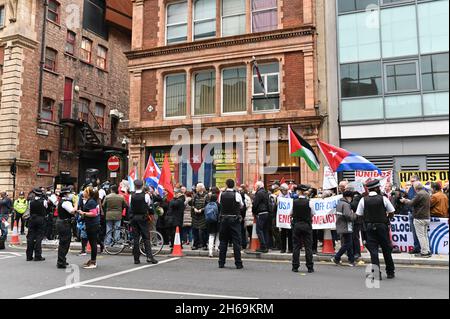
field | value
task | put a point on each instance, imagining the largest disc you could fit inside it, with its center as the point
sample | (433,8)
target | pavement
(199,278)
(273,255)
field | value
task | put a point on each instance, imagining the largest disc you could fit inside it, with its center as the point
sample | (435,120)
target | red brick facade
(108,87)
(292,44)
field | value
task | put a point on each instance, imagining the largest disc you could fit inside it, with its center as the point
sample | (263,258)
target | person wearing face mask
(63,226)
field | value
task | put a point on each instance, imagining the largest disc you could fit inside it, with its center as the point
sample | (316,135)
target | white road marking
(165,292)
(52,291)
(8,255)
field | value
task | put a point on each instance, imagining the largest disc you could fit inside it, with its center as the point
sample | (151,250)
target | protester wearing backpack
(212,212)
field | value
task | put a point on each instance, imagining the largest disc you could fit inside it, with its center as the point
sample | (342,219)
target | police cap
(373,184)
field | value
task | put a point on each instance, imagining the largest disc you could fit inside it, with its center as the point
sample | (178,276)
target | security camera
(125,141)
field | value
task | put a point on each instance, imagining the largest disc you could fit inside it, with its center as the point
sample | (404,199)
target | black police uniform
(377,225)
(302,233)
(139,211)
(64,229)
(36,229)
(230,228)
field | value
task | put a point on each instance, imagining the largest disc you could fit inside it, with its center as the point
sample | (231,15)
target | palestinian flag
(298,147)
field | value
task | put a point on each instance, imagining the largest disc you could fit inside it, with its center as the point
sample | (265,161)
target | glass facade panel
(355,5)
(399,31)
(401,77)
(433,26)
(435,72)
(403,106)
(436,103)
(361,79)
(358,39)
(362,109)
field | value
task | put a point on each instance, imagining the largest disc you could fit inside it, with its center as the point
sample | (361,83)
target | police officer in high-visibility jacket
(20,208)
(302,229)
(376,210)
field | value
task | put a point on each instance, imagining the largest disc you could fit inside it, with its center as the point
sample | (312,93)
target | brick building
(194,62)
(71,122)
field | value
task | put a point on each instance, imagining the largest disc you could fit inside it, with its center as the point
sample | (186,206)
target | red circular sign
(113,163)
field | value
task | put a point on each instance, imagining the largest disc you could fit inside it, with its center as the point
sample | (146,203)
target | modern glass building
(393,71)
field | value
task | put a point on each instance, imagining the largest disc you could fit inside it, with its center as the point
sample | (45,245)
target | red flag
(283,181)
(166,179)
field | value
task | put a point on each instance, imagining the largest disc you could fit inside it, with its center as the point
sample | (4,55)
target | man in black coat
(261,211)
(175,215)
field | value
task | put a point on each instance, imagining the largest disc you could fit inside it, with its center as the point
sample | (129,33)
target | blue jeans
(262,223)
(4,229)
(112,224)
(413,229)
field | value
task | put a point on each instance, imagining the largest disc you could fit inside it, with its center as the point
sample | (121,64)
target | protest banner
(402,236)
(284,211)
(385,177)
(329,178)
(426,177)
(325,212)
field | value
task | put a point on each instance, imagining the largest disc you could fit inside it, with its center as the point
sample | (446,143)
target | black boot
(148,250)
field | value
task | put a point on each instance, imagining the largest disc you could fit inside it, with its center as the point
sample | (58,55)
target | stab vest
(374,210)
(229,204)
(37,208)
(138,204)
(301,211)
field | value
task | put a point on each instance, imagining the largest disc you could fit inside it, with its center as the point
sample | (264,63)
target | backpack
(212,212)
(272,205)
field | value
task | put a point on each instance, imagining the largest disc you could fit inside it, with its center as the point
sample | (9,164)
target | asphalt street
(199,278)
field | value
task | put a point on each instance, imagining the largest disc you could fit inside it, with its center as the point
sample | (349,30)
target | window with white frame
(2,16)
(177,22)
(234,90)
(233,17)
(204,19)
(264,15)
(205,93)
(175,95)
(402,76)
(266,91)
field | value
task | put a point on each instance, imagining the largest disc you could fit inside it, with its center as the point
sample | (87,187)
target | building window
(358,41)
(433,26)
(402,77)
(264,15)
(177,22)
(94,12)
(435,71)
(233,17)
(399,31)
(2,16)
(355,5)
(66,138)
(204,19)
(205,93)
(83,112)
(100,116)
(70,42)
(44,162)
(234,92)
(50,59)
(436,104)
(403,106)
(53,11)
(175,95)
(266,94)
(47,109)
(361,79)
(86,50)
(102,53)
(362,109)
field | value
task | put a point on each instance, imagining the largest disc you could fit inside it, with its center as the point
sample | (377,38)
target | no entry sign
(113,164)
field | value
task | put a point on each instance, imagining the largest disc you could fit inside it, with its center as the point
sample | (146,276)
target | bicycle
(125,240)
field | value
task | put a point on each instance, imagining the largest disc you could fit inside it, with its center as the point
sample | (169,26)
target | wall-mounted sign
(42,132)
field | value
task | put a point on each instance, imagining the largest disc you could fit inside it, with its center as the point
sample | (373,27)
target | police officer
(230,224)
(376,209)
(36,228)
(66,212)
(302,229)
(139,213)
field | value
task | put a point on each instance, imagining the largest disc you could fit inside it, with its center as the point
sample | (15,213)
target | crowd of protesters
(98,208)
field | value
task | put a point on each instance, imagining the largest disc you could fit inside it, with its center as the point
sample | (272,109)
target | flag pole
(255,65)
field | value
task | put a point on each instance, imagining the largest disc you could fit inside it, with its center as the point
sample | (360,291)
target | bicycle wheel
(117,245)
(157,242)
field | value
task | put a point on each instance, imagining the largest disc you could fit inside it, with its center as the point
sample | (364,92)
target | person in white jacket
(249,217)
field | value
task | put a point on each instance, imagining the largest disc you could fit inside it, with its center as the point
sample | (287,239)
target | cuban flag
(152,174)
(132,176)
(341,160)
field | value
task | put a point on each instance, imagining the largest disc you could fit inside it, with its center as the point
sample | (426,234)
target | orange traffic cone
(328,248)
(254,244)
(361,242)
(15,239)
(177,249)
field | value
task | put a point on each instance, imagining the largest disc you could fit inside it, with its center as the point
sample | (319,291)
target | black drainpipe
(42,63)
